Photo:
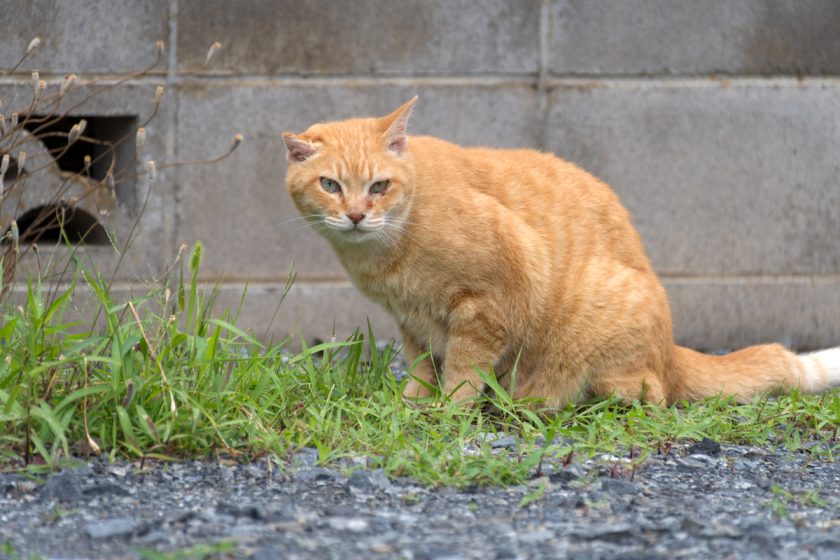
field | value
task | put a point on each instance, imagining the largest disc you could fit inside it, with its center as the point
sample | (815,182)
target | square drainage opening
(113,140)
(63,198)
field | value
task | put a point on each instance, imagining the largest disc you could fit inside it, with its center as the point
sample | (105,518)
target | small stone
(615,533)
(118,470)
(762,482)
(248,510)
(705,447)
(105,489)
(245,530)
(111,528)
(507,442)
(254,471)
(692,526)
(315,474)
(690,464)
(368,481)
(438,554)
(352,524)
(755,454)
(538,535)
(506,554)
(617,486)
(158,536)
(63,487)
(568,474)
(306,457)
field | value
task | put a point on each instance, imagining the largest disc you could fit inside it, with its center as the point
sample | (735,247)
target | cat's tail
(757,369)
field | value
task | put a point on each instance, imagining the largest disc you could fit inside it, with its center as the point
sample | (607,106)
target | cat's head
(353,180)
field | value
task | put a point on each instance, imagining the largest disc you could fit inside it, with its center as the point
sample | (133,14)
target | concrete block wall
(716,121)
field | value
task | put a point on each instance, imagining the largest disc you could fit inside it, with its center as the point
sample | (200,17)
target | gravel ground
(698,502)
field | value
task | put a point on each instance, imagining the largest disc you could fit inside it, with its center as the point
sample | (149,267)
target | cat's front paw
(415,389)
(464,396)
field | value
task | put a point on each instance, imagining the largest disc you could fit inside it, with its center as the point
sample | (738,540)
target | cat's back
(528,190)
(517,178)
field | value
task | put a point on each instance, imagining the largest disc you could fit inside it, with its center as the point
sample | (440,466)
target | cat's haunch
(502,258)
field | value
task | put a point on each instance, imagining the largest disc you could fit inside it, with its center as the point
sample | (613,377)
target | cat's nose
(355,217)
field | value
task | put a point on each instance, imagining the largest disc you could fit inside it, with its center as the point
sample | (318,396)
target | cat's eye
(330,185)
(380,187)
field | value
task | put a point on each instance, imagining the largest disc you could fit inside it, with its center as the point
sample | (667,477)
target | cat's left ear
(396,127)
(297,149)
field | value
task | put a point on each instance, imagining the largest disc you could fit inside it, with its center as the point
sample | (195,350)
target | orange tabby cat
(494,257)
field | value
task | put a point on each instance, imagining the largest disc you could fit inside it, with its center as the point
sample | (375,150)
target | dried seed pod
(66,83)
(160,46)
(87,161)
(36,77)
(14,121)
(140,141)
(15,235)
(159,94)
(33,44)
(211,51)
(151,170)
(39,89)
(2,123)
(76,131)
(21,161)
(237,139)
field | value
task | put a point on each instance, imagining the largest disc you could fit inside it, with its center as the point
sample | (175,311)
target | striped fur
(494,257)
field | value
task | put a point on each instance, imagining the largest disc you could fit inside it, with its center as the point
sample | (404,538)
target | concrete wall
(716,121)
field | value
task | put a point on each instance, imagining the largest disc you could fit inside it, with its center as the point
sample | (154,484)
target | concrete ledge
(801,313)
(312,311)
(710,314)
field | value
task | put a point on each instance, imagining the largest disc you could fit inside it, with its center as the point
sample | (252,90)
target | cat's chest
(414,306)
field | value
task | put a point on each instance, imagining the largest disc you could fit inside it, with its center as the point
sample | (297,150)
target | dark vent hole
(43,225)
(115,137)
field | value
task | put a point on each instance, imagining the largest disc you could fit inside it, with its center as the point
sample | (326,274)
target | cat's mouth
(356,233)
(361,232)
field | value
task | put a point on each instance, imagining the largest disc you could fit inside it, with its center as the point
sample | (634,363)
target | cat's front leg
(474,344)
(423,374)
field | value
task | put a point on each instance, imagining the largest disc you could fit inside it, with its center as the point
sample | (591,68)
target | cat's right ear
(396,127)
(297,149)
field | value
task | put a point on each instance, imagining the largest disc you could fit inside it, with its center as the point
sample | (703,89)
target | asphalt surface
(698,502)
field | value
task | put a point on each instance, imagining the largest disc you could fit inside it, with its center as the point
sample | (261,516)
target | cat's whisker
(401,230)
(303,223)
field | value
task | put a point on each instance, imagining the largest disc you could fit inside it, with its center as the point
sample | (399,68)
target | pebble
(705,447)
(507,442)
(306,457)
(64,486)
(315,474)
(616,486)
(353,524)
(111,528)
(368,481)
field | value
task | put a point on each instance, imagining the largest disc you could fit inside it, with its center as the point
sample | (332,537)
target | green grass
(164,377)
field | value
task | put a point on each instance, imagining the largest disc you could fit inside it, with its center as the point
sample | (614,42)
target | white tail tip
(821,370)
